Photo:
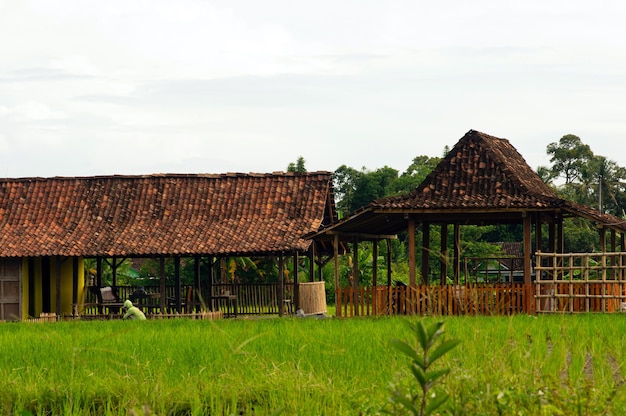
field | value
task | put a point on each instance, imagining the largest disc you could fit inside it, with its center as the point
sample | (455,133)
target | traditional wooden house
(48,226)
(483,180)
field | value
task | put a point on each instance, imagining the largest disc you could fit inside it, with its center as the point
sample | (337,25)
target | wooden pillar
(336,264)
(355,264)
(114,271)
(538,234)
(425,252)
(443,258)
(197,261)
(296,291)
(312,262)
(388,241)
(560,241)
(59,262)
(411,249)
(281,288)
(74,280)
(46,283)
(375,263)
(177,283)
(602,232)
(99,271)
(162,284)
(31,287)
(527,250)
(457,253)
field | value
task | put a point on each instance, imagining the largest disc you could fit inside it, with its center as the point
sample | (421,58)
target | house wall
(33,297)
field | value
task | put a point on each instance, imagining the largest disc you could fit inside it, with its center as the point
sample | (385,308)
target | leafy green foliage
(431,346)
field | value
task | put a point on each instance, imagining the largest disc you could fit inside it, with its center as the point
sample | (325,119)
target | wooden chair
(107,297)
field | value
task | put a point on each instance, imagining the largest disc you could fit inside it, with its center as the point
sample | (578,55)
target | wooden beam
(361,236)
(281,279)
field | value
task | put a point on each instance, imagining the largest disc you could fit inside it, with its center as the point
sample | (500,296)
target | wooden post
(31,287)
(389,295)
(281,287)
(74,280)
(443,259)
(312,262)
(296,291)
(457,253)
(58,286)
(99,271)
(527,259)
(177,283)
(336,261)
(538,234)
(425,252)
(114,271)
(355,275)
(375,263)
(411,249)
(162,284)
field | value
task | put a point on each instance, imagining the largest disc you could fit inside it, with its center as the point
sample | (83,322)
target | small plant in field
(431,345)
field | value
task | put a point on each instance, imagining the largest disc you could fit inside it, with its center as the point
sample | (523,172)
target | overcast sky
(190,86)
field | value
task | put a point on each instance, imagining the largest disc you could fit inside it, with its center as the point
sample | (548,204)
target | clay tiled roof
(163,214)
(481,171)
(482,179)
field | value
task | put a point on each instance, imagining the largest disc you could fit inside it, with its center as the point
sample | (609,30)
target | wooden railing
(580,282)
(472,299)
(250,299)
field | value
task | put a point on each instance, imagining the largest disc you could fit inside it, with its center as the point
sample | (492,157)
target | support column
(281,289)
(527,250)
(425,252)
(388,241)
(443,258)
(336,264)
(375,263)
(296,291)
(162,284)
(177,283)
(457,253)
(411,235)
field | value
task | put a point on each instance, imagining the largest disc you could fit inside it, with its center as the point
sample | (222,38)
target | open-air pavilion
(50,226)
(482,180)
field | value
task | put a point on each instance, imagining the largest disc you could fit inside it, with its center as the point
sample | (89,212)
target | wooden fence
(472,299)
(580,282)
(247,299)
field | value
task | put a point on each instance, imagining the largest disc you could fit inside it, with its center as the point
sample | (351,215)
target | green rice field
(521,365)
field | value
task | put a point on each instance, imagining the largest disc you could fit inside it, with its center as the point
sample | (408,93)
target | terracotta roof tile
(481,171)
(162,214)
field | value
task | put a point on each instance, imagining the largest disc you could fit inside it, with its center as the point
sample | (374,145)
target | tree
(345,183)
(569,157)
(414,174)
(298,166)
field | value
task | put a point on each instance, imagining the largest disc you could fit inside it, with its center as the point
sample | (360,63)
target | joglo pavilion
(49,227)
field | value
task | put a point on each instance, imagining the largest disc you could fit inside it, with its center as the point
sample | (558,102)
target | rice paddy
(520,365)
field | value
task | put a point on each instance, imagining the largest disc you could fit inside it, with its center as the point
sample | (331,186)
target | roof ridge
(168,175)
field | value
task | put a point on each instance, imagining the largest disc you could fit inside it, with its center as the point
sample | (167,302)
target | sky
(92,87)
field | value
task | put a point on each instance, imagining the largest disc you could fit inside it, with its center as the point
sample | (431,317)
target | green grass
(504,365)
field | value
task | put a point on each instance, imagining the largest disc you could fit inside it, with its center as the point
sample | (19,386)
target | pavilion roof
(163,214)
(483,179)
